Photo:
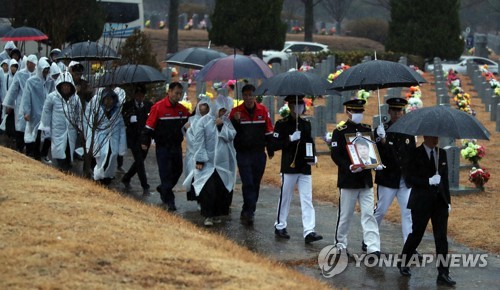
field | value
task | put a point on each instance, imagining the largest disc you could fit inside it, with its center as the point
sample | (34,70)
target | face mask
(357,118)
(299,109)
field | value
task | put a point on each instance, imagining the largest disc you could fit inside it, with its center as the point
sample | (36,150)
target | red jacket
(253,131)
(164,124)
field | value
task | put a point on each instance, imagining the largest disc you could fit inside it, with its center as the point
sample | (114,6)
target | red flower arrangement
(479,176)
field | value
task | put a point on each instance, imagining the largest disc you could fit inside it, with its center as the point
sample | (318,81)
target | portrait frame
(354,142)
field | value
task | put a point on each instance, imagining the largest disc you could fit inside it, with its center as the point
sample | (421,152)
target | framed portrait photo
(362,150)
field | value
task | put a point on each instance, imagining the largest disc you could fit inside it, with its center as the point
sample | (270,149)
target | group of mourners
(44,102)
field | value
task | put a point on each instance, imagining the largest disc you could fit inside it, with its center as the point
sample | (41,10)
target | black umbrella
(24,33)
(440,121)
(293,83)
(194,57)
(375,75)
(88,50)
(133,74)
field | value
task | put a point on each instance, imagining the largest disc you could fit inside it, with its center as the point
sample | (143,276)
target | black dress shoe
(171,207)
(364,247)
(247,218)
(404,271)
(312,237)
(282,234)
(445,279)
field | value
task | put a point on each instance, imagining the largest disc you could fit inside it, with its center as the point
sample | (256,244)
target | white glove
(359,169)
(381,131)
(315,161)
(133,119)
(435,180)
(295,136)
(449,208)
(379,167)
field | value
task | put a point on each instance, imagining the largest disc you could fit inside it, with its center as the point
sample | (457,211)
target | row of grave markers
(449,144)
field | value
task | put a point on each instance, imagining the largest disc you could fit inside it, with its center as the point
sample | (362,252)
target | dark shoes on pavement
(247,218)
(126,183)
(445,279)
(312,237)
(404,271)
(282,234)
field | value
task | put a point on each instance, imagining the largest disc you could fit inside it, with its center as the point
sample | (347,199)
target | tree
(309,18)
(62,21)
(428,28)
(173,26)
(250,26)
(138,50)
(338,9)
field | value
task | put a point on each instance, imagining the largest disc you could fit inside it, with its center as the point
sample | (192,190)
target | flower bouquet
(414,99)
(342,67)
(284,111)
(463,103)
(363,95)
(472,151)
(479,176)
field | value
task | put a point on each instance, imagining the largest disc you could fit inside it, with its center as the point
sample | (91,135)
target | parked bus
(122,18)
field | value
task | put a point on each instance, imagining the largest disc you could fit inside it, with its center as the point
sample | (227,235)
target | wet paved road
(303,257)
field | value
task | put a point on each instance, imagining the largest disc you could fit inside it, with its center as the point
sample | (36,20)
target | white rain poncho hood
(34,94)
(189,164)
(54,73)
(215,148)
(61,117)
(4,54)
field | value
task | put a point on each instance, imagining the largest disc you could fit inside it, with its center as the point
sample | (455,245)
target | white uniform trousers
(385,196)
(348,198)
(304,185)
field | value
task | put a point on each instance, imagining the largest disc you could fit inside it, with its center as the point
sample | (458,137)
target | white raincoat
(4,54)
(60,116)
(215,148)
(109,137)
(34,94)
(9,77)
(14,95)
(189,163)
(54,71)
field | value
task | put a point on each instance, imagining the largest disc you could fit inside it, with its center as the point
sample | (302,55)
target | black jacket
(395,154)
(424,197)
(281,141)
(134,130)
(347,179)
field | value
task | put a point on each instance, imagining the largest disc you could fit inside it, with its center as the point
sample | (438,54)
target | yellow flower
(236,103)
(188,105)
(210,95)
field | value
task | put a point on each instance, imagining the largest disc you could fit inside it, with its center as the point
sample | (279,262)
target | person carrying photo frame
(355,184)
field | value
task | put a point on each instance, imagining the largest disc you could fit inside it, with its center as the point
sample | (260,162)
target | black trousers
(33,149)
(438,215)
(139,156)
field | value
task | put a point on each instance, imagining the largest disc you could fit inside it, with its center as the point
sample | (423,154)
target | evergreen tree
(137,49)
(428,28)
(250,26)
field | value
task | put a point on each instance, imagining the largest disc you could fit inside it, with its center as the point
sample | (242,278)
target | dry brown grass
(473,220)
(59,231)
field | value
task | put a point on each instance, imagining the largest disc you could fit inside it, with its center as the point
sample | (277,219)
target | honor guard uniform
(395,151)
(354,183)
(292,135)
